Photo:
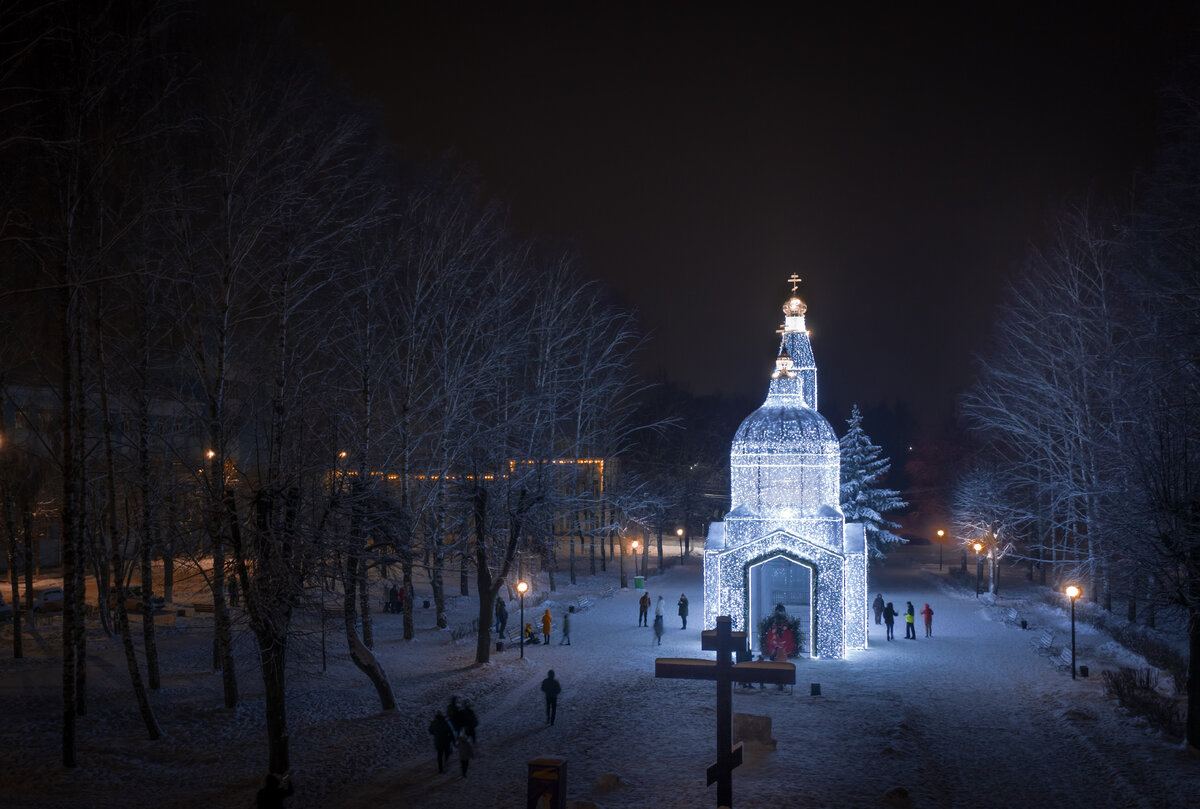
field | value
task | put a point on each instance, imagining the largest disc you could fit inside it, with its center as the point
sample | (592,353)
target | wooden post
(724,671)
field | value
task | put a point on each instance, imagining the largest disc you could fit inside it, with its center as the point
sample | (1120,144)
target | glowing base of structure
(838,581)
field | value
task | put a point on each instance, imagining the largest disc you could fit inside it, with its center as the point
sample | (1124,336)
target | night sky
(899,157)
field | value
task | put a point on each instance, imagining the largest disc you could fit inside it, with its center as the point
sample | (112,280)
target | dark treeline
(1088,404)
(244,336)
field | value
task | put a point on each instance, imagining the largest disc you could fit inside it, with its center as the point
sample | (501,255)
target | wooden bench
(581,604)
(463,630)
(1045,642)
(610,591)
(1010,616)
(1065,659)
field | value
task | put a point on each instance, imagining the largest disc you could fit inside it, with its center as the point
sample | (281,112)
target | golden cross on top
(794,281)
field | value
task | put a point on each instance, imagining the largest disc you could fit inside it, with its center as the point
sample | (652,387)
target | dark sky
(899,157)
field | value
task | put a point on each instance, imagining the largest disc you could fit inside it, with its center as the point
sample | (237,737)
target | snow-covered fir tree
(863,499)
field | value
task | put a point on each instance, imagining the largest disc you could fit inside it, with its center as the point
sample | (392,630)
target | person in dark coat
(551,688)
(927,614)
(393,604)
(501,617)
(889,618)
(465,752)
(468,721)
(274,790)
(658,628)
(643,609)
(877,605)
(443,739)
(910,628)
(454,714)
(566,630)
(683,609)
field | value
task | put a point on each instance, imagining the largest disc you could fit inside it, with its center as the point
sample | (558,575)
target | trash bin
(547,779)
(1083,671)
(639,582)
(499,646)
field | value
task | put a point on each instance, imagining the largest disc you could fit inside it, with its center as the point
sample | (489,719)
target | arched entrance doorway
(781,578)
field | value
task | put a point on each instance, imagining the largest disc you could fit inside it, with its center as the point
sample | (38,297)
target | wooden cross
(725,642)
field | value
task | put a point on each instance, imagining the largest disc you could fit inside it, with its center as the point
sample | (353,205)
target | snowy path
(973,717)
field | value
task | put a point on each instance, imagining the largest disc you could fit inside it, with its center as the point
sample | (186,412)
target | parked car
(133,600)
(49,599)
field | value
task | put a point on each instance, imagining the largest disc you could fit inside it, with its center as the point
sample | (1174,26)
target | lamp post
(941,535)
(635,564)
(679,533)
(521,588)
(978,568)
(1072,593)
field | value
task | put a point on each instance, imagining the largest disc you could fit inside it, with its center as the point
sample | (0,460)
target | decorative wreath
(780,630)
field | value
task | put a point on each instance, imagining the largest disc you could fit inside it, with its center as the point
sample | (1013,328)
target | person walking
(889,618)
(551,688)
(927,613)
(465,752)
(910,628)
(443,739)
(468,721)
(658,627)
(547,620)
(454,714)
(643,609)
(566,630)
(683,609)
(877,605)
(658,608)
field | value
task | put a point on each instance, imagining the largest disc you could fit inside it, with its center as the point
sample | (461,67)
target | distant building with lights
(785,540)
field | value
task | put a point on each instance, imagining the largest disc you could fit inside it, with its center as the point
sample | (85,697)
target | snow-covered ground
(973,717)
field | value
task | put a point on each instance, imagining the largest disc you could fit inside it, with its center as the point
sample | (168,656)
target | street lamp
(635,564)
(941,534)
(521,588)
(1072,593)
(679,533)
(978,568)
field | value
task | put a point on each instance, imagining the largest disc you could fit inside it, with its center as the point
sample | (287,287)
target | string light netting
(784,485)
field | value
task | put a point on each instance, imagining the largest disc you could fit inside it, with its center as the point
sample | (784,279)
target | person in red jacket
(928,614)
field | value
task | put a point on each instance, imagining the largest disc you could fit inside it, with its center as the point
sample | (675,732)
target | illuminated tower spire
(800,381)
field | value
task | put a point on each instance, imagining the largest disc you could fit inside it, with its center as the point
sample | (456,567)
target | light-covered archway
(727,586)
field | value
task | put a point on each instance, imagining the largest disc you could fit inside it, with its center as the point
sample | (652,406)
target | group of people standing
(644,609)
(454,731)
(886,614)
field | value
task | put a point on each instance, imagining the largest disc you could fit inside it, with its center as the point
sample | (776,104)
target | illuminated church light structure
(785,540)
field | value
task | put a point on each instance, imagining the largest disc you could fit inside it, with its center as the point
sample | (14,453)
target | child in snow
(928,615)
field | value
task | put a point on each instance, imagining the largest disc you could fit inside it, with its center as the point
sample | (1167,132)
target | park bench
(1045,642)
(610,591)
(1010,616)
(581,604)
(1065,659)
(463,630)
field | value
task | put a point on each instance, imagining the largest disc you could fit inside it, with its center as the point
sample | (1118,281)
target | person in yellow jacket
(546,621)
(910,629)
